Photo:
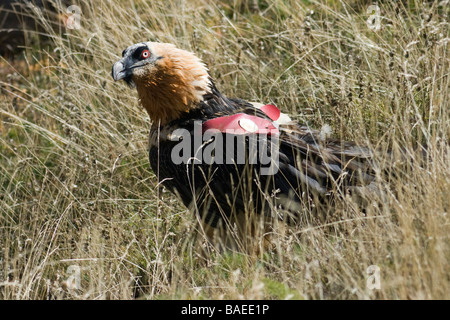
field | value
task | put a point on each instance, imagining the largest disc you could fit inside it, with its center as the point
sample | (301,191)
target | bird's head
(169,81)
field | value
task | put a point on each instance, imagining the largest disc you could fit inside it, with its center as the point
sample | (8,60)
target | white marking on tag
(248,125)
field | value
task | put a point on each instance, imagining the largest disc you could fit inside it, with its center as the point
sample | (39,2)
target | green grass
(76,187)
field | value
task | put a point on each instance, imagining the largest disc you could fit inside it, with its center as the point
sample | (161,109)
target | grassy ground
(77,196)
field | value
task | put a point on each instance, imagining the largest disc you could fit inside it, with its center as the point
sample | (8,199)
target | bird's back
(310,169)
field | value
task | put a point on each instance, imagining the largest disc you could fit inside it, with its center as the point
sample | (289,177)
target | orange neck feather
(173,85)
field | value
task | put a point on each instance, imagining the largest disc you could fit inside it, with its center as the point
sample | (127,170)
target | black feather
(308,167)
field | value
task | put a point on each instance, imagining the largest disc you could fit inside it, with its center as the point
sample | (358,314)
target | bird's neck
(166,99)
(161,106)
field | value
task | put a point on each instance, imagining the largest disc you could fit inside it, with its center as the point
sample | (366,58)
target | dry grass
(76,188)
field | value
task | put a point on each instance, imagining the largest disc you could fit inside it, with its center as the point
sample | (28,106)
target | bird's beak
(120,70)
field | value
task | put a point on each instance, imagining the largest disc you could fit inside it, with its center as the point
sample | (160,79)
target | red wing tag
(272,111)
(241,123)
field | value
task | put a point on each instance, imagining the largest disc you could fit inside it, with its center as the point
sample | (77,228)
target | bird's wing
(316,155)
(321,156)
(307,165)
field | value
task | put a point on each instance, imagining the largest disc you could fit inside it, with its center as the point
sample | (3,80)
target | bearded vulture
(244,168)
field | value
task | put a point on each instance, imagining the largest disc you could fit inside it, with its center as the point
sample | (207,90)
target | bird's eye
(145,54)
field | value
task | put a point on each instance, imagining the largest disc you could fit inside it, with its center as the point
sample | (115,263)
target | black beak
(120,71)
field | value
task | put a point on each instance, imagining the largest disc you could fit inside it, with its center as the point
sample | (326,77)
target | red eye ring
(145,54)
